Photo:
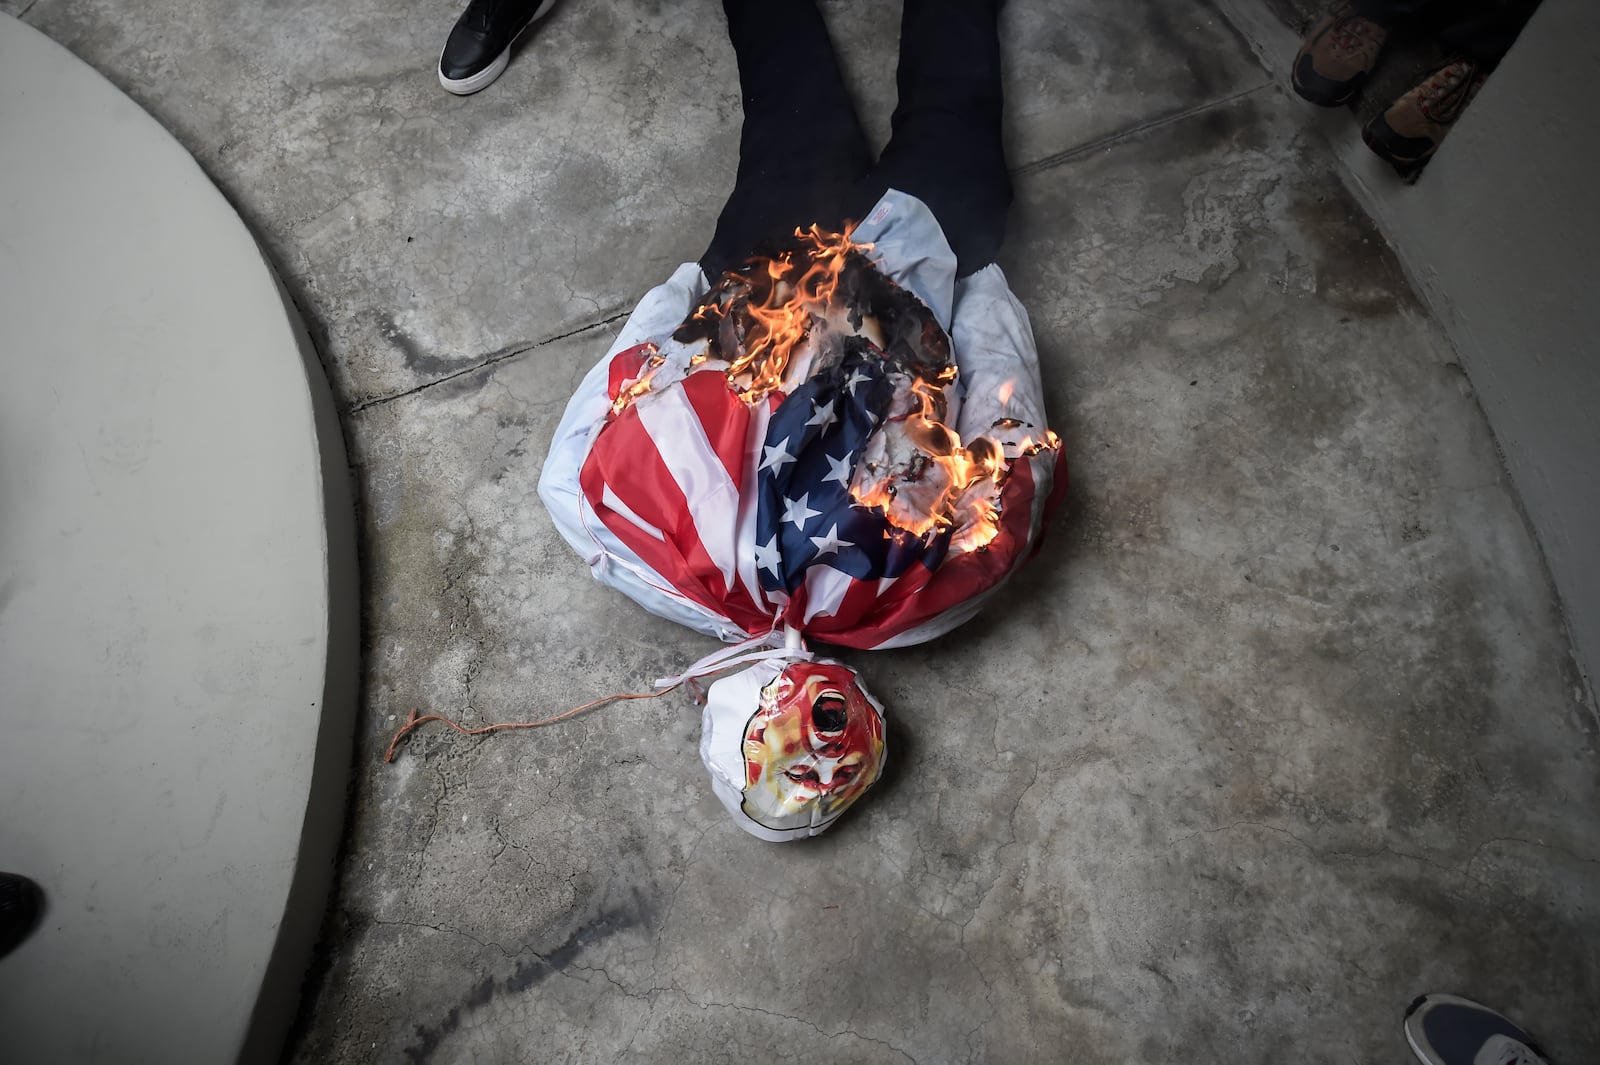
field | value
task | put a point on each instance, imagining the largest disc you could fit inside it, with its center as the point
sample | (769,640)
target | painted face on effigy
(812,748)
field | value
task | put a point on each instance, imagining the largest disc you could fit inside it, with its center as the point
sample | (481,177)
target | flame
(798,285)
(948,485)
(638,386)
(939,493)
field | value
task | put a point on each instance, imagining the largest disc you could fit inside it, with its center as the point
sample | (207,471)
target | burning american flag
(801,448)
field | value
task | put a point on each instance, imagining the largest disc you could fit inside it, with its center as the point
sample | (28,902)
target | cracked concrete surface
(1280,731)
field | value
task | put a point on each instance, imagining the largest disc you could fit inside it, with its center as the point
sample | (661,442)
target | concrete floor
(1280,731)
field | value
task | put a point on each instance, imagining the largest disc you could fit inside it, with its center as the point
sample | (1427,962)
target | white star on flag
(839,469)
(822,416)
(856,378)
(795,510)
(767,556)
(830,544)
(775,456)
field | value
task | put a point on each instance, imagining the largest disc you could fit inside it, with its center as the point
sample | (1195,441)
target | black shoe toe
(1319,90)
(466,52)
(1405,154)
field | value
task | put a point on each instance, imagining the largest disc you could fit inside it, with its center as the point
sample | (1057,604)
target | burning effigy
(819,446)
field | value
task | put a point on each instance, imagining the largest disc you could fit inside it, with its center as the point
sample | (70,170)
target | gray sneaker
(1446,1030)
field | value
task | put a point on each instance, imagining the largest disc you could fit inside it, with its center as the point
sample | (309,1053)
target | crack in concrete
(506,842)
(672,899)
(488,360)
(961,935)
(464,610)
(1574,855)
(446,929)
(433,824)
(1129,132)
(1463,869)
(648,995)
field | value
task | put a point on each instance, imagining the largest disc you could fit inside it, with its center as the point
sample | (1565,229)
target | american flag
(745,509)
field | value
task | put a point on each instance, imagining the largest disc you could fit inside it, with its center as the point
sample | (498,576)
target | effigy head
(790,745)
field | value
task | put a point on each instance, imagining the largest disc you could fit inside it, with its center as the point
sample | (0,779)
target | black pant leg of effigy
(801,151)
(946,147)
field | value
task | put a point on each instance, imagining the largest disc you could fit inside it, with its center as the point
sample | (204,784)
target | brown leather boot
(1338,53)
(1412,129)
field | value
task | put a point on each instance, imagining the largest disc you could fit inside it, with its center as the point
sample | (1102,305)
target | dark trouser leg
(1487,29)
(945,148)
(1481,30)
(802,151)
(1392,12)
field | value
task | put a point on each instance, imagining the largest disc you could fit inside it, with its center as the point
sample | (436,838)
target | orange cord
(414,721)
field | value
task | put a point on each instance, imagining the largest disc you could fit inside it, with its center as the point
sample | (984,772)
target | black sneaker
(19,910)
(479,47)
(1446,1030)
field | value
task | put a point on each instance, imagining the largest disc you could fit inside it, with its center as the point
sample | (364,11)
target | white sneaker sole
(485,77)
